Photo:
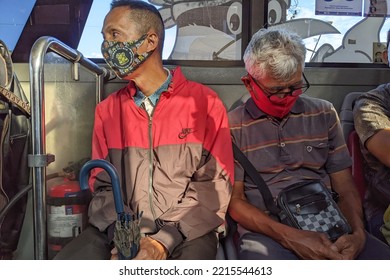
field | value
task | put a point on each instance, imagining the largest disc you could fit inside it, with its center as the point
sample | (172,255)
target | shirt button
(282,145)
(309,148)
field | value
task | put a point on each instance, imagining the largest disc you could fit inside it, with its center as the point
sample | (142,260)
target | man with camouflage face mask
(169,140)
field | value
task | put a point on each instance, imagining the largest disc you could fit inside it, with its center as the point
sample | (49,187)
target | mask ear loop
(248,82)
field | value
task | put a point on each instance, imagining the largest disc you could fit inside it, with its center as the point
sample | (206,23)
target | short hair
(275,52)
(145,17)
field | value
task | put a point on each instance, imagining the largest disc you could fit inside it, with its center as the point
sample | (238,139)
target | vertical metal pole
(38,148)
(38,160)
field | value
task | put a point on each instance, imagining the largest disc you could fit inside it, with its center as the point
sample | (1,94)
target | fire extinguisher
(67,209)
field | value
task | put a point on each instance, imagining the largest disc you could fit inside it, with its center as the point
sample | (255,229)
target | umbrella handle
(111,170)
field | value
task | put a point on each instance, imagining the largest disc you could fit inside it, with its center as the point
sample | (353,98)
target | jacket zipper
(151,166)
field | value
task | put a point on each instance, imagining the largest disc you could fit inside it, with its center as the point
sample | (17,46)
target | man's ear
(152,41)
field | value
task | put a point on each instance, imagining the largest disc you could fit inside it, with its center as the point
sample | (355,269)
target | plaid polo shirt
(306,144)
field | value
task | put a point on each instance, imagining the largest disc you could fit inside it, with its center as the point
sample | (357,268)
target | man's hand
(114,254)
(312,245)
(149,249)
(350,245)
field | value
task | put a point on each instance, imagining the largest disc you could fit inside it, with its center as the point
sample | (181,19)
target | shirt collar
(139,97)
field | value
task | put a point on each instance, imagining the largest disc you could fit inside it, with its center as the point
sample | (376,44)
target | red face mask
(278,107)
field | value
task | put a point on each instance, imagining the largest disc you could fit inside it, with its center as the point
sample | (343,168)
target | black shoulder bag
(307,205)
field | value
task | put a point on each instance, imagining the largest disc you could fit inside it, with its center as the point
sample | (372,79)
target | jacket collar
(178,81)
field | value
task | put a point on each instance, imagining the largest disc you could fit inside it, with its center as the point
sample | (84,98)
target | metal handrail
(38,160)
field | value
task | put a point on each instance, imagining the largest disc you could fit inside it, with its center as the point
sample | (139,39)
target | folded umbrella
(127,231)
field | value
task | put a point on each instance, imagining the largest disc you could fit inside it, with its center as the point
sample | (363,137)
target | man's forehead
(117,19)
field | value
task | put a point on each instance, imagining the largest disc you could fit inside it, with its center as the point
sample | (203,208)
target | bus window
(335,31)
(195,30)
(12,21)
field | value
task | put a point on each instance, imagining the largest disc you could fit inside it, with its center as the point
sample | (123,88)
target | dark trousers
(92,244)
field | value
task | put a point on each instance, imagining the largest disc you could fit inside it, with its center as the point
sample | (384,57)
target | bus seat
(352,141)
(353,144)
(346,113)
(230,241)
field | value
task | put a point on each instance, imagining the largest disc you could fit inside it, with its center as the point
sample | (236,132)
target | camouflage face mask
(123,57)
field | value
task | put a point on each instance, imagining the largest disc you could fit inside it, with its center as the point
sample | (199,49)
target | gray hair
(275,52)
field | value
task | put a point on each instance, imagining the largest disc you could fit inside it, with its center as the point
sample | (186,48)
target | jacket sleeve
(205,203)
